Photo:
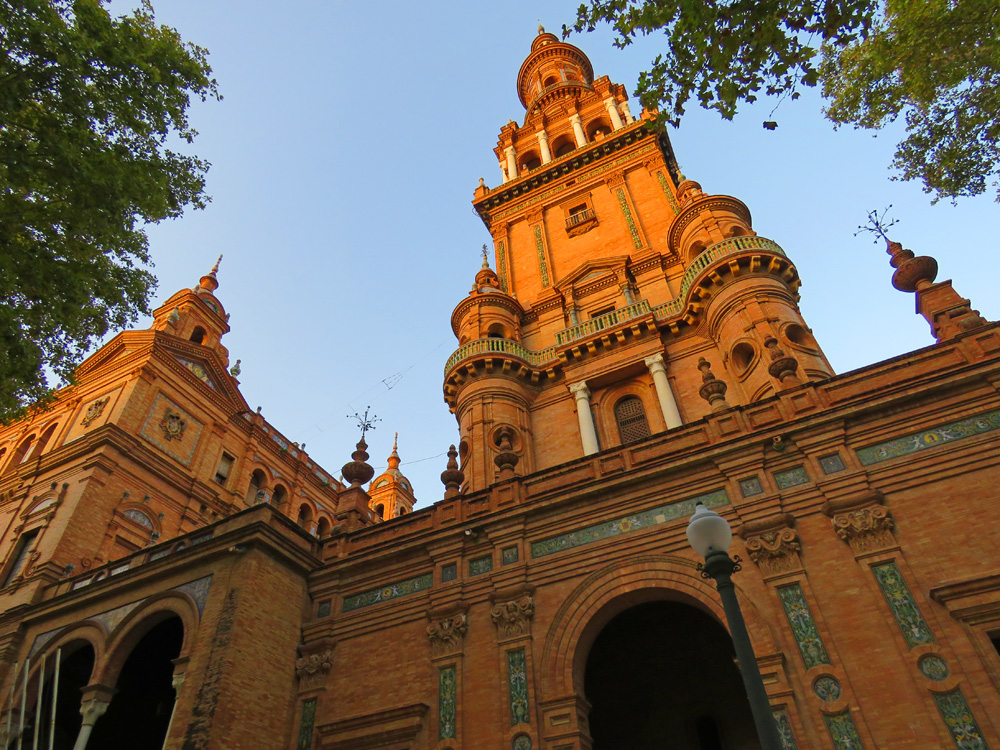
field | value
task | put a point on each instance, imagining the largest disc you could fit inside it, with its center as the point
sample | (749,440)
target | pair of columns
(668,405)
(94,707)
(510,153)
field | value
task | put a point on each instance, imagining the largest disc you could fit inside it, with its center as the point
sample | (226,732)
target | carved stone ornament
(94,411)
(446,635)
(772,544)
(313,666)
(513,618)
(172,425)
(865,529)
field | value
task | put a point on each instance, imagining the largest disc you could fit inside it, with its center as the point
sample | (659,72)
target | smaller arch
(598,127)
(799,337)
(279,495)
(305,516)
(744,356)
(562,146)
(549,81)
(198,335)
(21,454)
(497,331)
(380,511)
(258,480)
(43,441)
(323,527)
(530,160)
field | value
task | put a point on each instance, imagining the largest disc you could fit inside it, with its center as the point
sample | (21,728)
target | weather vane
(877,224)
(486,260)
(364,421)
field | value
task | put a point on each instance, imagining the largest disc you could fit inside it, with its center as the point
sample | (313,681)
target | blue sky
(345,153)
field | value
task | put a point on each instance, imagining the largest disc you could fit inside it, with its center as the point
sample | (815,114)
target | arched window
(21,454)
(562,146)
(42,442)
(323,528)
(305,516)
(380,511)
(631,419)
(280,493)
(550,81)
(198,335)
(256,483)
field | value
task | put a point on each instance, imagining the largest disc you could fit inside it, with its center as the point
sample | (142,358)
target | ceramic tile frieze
(919,441)
(791,478)
(306,724)
(447,722)
(509,555)
(669,193)
(911,623)
(804,628)
(644,519)
(827,688)
(785,731)
(960,722)
(481,565)
(832,464)
(843,732)
(627,212)
(385,593)
(540,249)
(502,265)
(517,686)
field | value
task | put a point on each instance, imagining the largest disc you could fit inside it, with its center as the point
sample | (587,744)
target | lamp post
(710,536)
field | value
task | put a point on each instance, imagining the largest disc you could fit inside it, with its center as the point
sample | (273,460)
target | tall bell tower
(625,301)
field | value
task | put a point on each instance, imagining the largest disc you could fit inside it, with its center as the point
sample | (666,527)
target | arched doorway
(139,714)
(662,674)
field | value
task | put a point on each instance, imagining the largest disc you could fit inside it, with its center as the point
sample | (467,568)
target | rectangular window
(20,554)
(225,466)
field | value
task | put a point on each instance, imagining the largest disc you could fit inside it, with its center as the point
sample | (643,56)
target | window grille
(631,419)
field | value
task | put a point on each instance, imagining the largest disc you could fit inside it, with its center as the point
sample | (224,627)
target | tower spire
(209,281)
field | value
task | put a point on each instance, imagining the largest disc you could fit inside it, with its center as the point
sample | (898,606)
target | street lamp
(710,536)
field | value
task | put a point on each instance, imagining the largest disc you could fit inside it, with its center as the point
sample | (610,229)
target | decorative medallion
(960,722)
(172,425)
(827,688)
(449,572)
(513,619)
(803,626)
(843,732)
(446,635)
(933,667)
(94,411)
(447,723)
(751,486)
(481,565)
(911,623)
(521,742)
(517,685)
(831,464)
(509,555)
(791,478)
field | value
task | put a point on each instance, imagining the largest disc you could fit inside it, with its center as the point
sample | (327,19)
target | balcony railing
(608,320)
(579,217)
(614,318)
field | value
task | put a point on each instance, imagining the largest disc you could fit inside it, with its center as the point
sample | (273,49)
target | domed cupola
(391,493)
(488,311)
(553,71)
(196,315)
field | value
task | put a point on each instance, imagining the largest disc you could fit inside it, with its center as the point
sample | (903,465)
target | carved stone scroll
(312,668)
(448,633)
(864,523)
(513,618)
(772,544)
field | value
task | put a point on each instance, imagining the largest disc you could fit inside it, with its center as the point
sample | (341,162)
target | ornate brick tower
(615,277)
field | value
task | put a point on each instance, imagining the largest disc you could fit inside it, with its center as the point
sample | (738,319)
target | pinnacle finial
(541,29)
(486,260)
(208,281)
(395,441)
(215,268)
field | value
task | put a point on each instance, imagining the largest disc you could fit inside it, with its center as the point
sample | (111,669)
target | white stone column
(543,144)
(175,683)
(511,163)
(616,119)
(628,114)
(503,171)
(588,435)
(581,137)
(91,710)
(668,405)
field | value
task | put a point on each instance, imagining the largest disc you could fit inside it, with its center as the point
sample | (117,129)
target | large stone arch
(617,587)
(140,621)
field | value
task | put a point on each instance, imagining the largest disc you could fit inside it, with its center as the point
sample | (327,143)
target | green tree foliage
(88,107)
(935,63)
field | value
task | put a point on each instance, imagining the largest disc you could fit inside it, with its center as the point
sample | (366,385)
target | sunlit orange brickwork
(633,348)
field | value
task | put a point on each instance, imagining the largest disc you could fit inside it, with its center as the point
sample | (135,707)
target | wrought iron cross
(486,260)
